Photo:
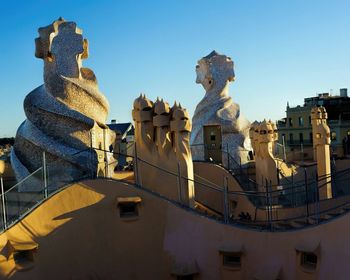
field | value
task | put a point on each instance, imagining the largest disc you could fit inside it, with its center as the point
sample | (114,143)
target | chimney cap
(343,92)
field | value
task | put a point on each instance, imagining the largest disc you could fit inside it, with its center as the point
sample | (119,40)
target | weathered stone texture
(63,112)
(215,72)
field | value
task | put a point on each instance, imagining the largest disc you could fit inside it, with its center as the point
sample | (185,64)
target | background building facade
(296,129)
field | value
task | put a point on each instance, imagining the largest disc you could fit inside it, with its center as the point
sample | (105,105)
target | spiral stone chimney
(66,115)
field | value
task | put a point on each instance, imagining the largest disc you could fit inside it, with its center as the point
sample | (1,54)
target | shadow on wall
(81,234)
(107,230)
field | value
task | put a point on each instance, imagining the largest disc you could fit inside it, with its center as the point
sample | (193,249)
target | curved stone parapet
(215,72)
(65,115)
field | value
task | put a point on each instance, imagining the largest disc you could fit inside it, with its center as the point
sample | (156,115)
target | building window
(231,260)
(24,256)
(128,206)
(21,257)
(185,277)
(308,261)
(311,137)
(290,122)
(309,120)
(301,121)
(333,136)
(301,138)
(291,140)
(128,210)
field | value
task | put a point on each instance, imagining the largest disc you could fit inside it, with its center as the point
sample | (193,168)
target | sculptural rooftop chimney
(219,129)
(65,115)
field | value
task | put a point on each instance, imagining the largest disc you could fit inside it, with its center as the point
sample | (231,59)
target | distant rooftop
(321,97)
(337,106)
(122,128)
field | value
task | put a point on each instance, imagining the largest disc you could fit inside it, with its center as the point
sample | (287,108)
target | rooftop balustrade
(288,206)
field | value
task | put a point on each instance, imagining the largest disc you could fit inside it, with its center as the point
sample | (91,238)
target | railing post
(240,167)
(3,203)
(293,191)
(91,155)
(302,151)
(317,201)
(333,179)
(179,182)
(284,149)
(270,205)
(105,154)
(136,167)
(306,191)
(267,204)
(228,157)
(225,196)
(45,176)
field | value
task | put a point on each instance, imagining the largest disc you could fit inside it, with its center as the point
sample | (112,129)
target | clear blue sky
(283,50)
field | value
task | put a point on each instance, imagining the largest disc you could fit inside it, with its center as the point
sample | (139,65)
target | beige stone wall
(214,175)
(80,236)
(208,174)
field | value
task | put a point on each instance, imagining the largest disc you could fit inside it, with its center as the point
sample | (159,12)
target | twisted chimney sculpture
(216,109)
(65,115)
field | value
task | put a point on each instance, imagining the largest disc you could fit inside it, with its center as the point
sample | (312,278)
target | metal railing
(16,204)
(37,187)
(264,208)
(299,143)
(300,198)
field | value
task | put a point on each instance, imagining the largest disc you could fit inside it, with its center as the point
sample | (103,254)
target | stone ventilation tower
(66,115)
(321,143)
(162,148)
(263,136)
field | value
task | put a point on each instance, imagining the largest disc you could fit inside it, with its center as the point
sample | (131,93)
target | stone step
(304,222)
(14,209)
(285,225)
(321,219)
(207,210)
(252,224)
(333,214)
(339,211)
(18,203)
(22,196)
